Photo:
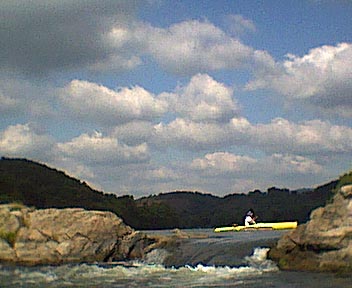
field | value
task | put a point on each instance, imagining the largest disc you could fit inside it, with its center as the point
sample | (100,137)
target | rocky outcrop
(322,244)
(56,236)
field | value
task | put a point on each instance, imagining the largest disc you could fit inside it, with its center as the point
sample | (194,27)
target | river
(233,259)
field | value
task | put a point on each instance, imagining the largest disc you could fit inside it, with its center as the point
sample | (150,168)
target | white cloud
(231,165)
(160,174)
(110,38)
(97,149)
(308,137)
(279,136)
(286,164)
(223,162)
(97,103)
(23,141)
(206,108)
(184,48)
(190,135)
(323,77)
(240,174)
(203,99)
(148,141)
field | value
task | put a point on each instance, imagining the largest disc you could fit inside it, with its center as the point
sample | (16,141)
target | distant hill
(204,210)
(38,185)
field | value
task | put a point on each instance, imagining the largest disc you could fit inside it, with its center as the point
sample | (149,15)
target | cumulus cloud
(43,36)
(279,136)
(97,149)
(308,137)
(185,48)
(205,111)
(223,162)
(192,135)
(203,99)
(22,140)
(160,174)
(283,164)
(193,46)
(202,114)
(226,163)
(98,103)
(323,77)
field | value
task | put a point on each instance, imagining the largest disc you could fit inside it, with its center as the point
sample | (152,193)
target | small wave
(258,260)
(25,276)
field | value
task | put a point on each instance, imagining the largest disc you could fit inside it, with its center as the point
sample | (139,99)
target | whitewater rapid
(136,274)
(207,262)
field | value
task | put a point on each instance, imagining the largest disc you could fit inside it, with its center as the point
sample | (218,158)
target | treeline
(194,209)
(38,185)
(35,184)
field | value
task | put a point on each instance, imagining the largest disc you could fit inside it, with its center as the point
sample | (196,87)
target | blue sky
(143,97)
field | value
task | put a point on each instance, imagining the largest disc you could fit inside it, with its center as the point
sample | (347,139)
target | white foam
(259,260)
(35,276)
(144,273)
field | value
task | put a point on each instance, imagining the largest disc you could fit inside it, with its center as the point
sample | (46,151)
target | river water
(207,259)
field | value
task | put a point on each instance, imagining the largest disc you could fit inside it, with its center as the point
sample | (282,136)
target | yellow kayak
(259,226)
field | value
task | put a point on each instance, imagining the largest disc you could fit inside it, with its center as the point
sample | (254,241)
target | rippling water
(221,260)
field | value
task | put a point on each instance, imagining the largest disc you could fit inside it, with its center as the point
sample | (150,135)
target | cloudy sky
(143,97)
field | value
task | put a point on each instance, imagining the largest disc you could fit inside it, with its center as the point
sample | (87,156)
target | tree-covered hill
(203,210)
(38,185)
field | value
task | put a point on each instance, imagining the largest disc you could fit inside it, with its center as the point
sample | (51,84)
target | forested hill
(38,185)
(273,205)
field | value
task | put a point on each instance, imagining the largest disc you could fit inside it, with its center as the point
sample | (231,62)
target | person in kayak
(250,218)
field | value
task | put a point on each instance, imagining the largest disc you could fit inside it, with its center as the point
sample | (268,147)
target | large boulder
(322,244)
(56,236)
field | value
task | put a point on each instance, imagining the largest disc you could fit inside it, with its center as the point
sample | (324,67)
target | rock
(56,236)
(7,252)
(324,243)
(177,233)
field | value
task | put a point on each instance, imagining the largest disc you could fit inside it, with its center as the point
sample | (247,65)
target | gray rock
(322,244)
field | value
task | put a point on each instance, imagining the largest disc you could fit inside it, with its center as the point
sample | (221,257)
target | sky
(147,97)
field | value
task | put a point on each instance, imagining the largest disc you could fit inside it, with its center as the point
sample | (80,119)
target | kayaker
(250,218)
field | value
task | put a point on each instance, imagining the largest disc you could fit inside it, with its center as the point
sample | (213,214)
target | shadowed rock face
(322,244)
(56,236)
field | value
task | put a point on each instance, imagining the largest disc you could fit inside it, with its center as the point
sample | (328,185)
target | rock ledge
(57,236)
(323,244)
